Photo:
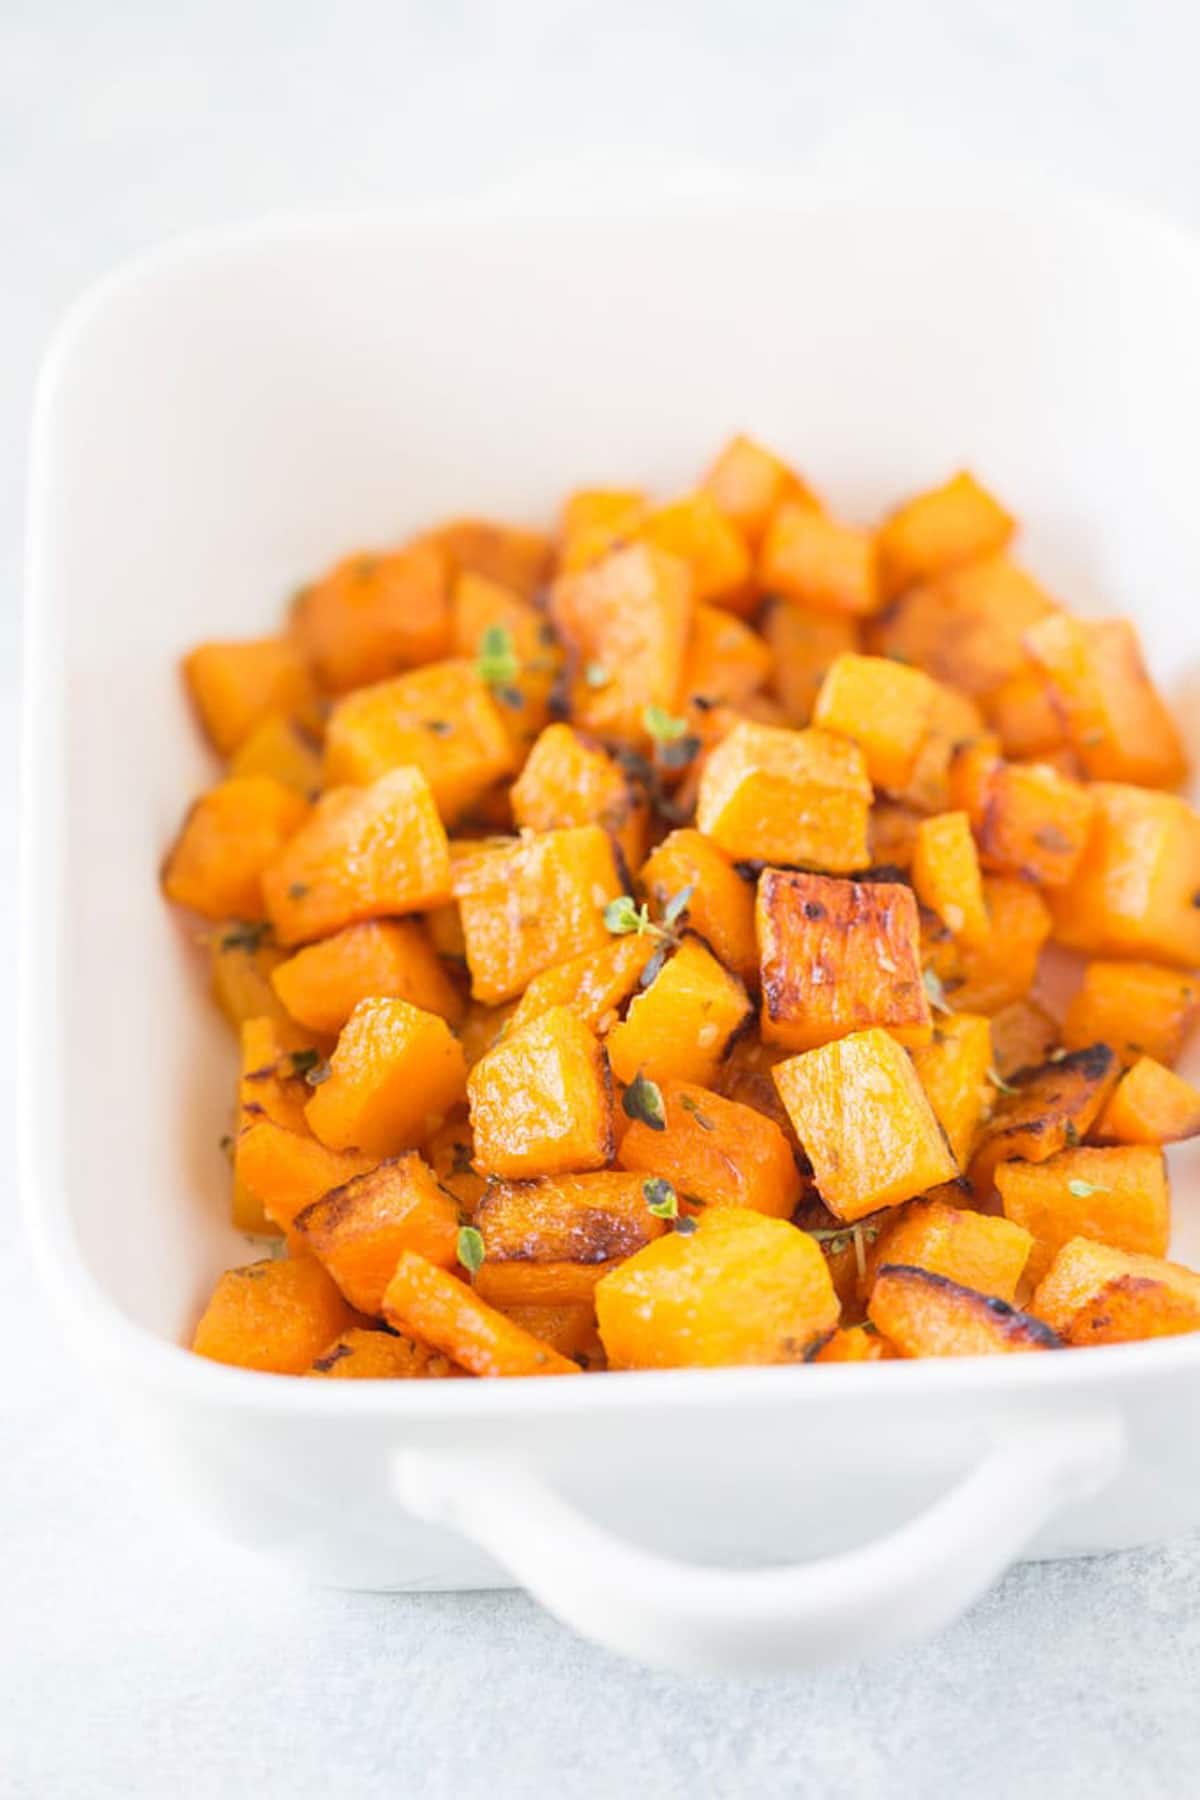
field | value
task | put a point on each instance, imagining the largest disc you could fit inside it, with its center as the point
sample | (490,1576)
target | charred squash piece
(569,781)
(1035,822)
(966,627)
(803,644)
(550,1241)
(1137,1008)
(1096,1294)
(361,1355)
(230,839)
(945,874)
(779,796)
(749,482)
(716,1150)
(938,531)
(884,708)
(1119,1196)
(839,956)
(285,1171)
(926,1314)
(1150,1105)
(811,559)
(695,530)
(1023,1035)
(1051,1108)
(275,1316)
(238,686)
(395,1074)
(386,959)
(625,621)
(969,1248)
(441,1311)
(375,614)
(682,1025)
(541,1100)
(719,904)
(954,1071)
(1116,721)
(741,1288)
(1134,892)
(358,1231)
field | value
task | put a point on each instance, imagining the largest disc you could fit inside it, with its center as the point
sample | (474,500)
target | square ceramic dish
(221,419)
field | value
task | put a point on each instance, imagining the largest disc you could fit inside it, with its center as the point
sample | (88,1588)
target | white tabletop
(139,1658)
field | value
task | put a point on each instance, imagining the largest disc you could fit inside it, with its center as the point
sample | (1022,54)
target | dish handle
(900,1588)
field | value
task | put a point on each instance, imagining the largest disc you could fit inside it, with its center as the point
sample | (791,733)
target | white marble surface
(139,1659)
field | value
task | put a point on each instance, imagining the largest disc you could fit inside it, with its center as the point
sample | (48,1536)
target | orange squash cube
(1022,713)
(274,1316)
(1118,1196)
(358,1231)
(865,1123)
(741,1288)
(953,1070)
(595,521)
(236,686)
(535,904)
(271,1084)
(442,720)
(362,1355)
(1136,1008)
(1035,822)
(946,876)
(374,614)
(595,985)
(541,1100)
(720,904)
(284,749)
(967,626)
(803,643)
(568,781)
(1116,721)
(441,1311)
(229,840)
(1048,1109)
(681,1026)
(953,721)
(450,1153)
(549,1241)
(882,707)
(893,834)
(241,959)
(393,1077)
(625,621)
(726,660)
(938,531)
(284,1171)
(781,796)
(1023,1035)
(569,1329)
(717,1150)
(1000,970)
(479,606)
(811,559)
(696,531)
(853,1344)
(838,956)
(1134,892)
(1095,1294)
(513,555)
(969,1248)
(1150,1105)
(391,959)
(926,1314)
(748,482)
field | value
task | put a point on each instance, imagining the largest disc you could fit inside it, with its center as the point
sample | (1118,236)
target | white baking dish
(221,419)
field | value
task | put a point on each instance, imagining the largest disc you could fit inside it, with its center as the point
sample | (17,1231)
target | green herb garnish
(997,1080)
(690,1106)
(304,1061)
(496,659)
(661,1198)
(1083,1190)
(678,904)
(471,1248)
(643,1100)
(935,991)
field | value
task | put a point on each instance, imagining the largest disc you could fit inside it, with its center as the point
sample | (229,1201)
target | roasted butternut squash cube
(854,1344)
(1022,713)
(230,838)
(926,1314)
(1001,969)
(965,627)
(1096,1294)
(625,621)
(536,903)
(893,834)
(516,556)
(1049,1109)
(393,1077)
(747,1075)
(241,959)
(441,1311)
(803,643)
(838,956)
(363,853)
(480,606)
(781,796)
(695,530)
(236,686)
(1116,721)
(946,876)
(810,558)
(442,720)
(741,1288)
(1134,891)
(383,959)
(953,721)
(450,1153)
(681,1026)
(271,1083)
(374,614)
(285,1171)
(719,903)
(715,1150)
(865,1123)
(595,985)
(882,707)
(359,1230)
(481,1027)
(953,1070)
(1150,1105)
(595,521)
(522,1281)
(1023,1035)
(569,1329)
(748,482)
(970,1248)
(541,1100)
(726,660)
(1035,822)
(284,749)
(1118,1196)
(548,1242)
(274,1316)
(1136,1008)
(568,781)
(939,531)
(362,1355)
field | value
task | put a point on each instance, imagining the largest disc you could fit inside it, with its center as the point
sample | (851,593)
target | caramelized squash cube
(380,959)
(969,1248)
(595,521)
(720,904)
(595,985)
(1135,890)
(362,1355)
(536,903)
(681,1026)
(439,1310)
(271,1083)
(882,707)
(837,957)
(717,1151)
(781,796)
(541,1100)
(1035,822)
(1118,1196)
(811,559)
(1000,970)
(285,1171)
(442,720)
(926,1314)
(1023,1035)
(359,1230)
(865,1123)
(568,781)
(749,482)
(1150,1105)
(230,838)
(726,660)
(513,555)
(284,749)
(1136,1008)
(236,686)
(1096,1294)
(1115,719)
(363,853)
(274,1316)
(548,1242)
(803,643)
(695,530)
(625,621)
(741,1288)
(479,606)
(966,627)
(569,1328)
(953,1070)
(946,876)
(1022,713)
(939,531)
(375,614)
(1050,1108)
(393,1077)
(241,960)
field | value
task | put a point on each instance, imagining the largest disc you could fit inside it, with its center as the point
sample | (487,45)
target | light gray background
(139,1659)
